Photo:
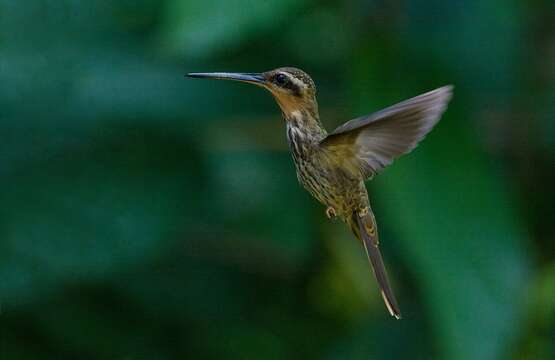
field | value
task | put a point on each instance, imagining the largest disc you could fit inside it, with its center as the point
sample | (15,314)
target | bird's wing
(370,143)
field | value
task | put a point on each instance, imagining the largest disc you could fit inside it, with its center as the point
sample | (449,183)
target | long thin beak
(252,78)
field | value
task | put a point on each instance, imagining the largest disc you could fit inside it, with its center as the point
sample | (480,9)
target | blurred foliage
(148,216)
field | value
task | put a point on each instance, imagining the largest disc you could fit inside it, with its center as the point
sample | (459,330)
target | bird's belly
(331,187)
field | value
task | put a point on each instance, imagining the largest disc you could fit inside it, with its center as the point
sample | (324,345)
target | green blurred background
(149,216)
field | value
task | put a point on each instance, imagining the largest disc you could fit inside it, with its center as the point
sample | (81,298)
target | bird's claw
(330,213)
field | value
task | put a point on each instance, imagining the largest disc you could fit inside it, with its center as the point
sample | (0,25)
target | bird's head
(292,88)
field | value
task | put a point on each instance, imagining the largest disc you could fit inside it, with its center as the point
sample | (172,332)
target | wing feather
(372,142)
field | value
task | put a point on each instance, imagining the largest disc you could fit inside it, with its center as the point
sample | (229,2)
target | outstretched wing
(372,142)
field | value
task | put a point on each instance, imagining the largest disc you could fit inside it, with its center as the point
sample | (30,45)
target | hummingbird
(333,167)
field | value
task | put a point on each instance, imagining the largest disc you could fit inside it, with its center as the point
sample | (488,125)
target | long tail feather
(366,230)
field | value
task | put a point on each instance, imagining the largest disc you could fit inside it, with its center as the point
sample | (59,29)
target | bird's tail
(364,227)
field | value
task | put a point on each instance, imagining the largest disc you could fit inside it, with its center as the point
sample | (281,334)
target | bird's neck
(304,125)
(304,133)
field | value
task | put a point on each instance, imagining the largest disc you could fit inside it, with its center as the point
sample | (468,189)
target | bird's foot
(330,213)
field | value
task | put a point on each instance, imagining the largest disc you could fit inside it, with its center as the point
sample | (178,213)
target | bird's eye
(280,79)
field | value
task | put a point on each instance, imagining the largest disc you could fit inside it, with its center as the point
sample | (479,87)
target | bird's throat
(304,125)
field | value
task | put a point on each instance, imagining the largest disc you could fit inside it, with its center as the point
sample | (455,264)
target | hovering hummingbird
(333,167)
